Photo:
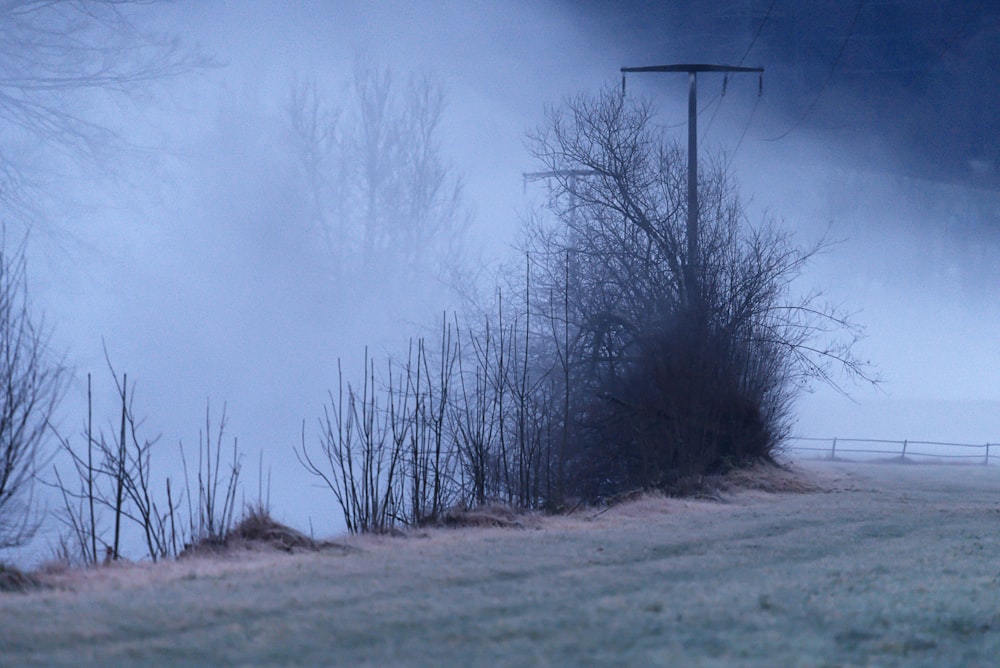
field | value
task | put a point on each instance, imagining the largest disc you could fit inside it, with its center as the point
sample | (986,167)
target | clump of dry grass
(767,476)
(256,530)
(257,526)
(57,565)
(490,515)
(761,475)
(15,580)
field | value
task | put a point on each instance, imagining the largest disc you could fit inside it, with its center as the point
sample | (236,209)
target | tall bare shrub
(31,384)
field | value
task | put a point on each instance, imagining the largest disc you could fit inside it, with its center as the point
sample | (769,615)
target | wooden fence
(837,447)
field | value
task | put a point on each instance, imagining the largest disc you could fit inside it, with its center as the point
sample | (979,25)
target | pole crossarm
(536,176)
(692,68)
(573,174)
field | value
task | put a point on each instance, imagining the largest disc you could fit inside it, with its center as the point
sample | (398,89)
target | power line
(732,156)
(715,100)
(829,76)
(757,34)
(753,40)
(969,18)
(704,108)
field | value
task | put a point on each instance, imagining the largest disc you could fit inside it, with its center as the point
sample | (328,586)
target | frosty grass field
(880,564)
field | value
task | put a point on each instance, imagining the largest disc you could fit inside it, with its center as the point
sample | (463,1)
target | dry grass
(13,579)
(490,515)
(764,476)
(849,576)
(259,531)
(768,476)
(257,526)
(761,477)
(260,535)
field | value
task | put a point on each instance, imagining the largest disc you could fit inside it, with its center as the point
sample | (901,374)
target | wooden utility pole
(691,266)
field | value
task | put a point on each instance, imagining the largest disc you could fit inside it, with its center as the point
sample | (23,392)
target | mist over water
(193,261)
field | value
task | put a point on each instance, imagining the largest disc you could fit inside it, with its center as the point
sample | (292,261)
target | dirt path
(891,565)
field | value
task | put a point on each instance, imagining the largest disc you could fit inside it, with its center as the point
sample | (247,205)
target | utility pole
(572,174)
(691,267)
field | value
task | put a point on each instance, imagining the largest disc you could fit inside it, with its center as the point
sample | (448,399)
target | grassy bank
(884,564)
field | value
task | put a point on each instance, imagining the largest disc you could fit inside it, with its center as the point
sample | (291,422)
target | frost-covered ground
(889,564)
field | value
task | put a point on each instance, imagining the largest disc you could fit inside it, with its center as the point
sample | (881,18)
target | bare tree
(31,384)
(60,59)
(667,384)
(380,193)
(316,138)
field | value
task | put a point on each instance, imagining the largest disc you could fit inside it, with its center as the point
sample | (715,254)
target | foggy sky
(192,262)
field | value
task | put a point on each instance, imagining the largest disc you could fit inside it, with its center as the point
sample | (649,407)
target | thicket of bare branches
(114,487)
(469,421)
(31,384)
(386,451)
(615,362)
(114,475)
(210,515)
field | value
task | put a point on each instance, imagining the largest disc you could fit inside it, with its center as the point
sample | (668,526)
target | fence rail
(902,449)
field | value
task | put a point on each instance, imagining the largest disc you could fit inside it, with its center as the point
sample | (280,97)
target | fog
(187,251)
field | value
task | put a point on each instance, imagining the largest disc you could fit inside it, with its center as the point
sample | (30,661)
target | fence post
(986,461)
(903,456)
(833,450)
